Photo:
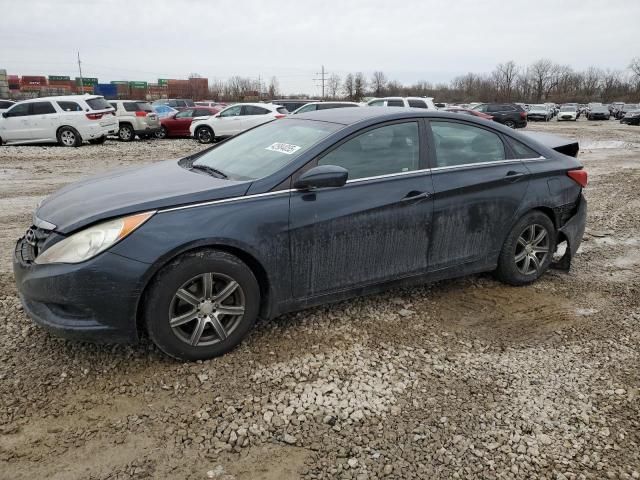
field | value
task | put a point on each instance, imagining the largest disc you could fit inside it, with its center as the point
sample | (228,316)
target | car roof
(350,116)
(61,98)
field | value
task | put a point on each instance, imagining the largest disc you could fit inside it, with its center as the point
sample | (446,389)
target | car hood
(125,191)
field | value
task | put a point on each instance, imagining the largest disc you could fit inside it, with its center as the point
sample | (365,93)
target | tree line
(541,81)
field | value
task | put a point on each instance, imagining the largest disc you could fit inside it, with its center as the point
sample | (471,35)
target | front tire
(126,133)
(528,250)
(162,133)
(204,135)
(69,137)
(201,305)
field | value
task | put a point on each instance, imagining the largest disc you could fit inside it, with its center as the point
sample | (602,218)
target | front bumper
(96,300)
(630,120)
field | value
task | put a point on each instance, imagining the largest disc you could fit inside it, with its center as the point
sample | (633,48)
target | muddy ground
(460,379)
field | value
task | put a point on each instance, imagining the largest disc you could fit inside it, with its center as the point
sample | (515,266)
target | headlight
(91,241)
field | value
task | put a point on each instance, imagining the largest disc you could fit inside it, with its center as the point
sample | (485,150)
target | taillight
(579,176)
(94,116)
(279,115)
(523,114)
(141,114)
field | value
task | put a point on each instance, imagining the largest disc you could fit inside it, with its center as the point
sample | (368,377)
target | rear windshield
(264,150)
(98,103)
(144,106)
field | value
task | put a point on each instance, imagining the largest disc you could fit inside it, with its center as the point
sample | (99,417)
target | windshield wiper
(210,170)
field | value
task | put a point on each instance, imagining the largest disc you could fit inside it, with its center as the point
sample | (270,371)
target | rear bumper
(94,301)
(572,231)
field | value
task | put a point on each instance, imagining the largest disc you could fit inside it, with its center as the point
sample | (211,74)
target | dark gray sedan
(298,212)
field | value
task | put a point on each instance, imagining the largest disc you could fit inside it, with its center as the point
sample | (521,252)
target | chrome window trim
(478,164)
(390,175)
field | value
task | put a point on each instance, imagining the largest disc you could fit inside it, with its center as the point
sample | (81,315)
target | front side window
(42,108)
(231,111)
(377,103)
(461,144)
(264,150)
(307,108)
(19,110)
(381,151)
(202,113)
(70,106)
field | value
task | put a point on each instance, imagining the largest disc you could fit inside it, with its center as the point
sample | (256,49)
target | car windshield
(599,109)
(568,109)
(630,107)
(98,103)
(264,150)
(539,107)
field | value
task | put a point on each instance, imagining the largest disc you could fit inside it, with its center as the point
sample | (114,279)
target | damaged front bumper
(572,232)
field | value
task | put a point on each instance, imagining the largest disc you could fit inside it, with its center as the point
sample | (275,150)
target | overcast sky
(410,40)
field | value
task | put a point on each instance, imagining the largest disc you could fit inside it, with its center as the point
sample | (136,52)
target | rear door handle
(415,196)
(513,176)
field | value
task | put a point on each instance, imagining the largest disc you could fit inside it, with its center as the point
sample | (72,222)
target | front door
(228,122)
(478,190)
(373,229)
(15,126)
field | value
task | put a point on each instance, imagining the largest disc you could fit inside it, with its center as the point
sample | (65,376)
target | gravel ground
(460,379)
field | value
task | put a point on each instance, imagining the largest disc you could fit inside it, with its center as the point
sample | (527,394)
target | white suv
(68,120)
(234,119)
(135,117)
(415,102)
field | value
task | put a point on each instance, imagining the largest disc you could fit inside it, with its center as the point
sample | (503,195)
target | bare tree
(274,89)
(359,85)
(505,76)
(333,85)
(348,86)
(544,76)
(634,66)
(378,83)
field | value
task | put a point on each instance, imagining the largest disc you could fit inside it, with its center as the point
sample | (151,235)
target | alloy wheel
(68,138)
(207,309)
(125,133)
(532,249)
(204,135)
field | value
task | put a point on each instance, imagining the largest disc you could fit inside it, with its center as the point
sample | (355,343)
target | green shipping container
(87,81)
(163,81)
(59,78)
(138,84)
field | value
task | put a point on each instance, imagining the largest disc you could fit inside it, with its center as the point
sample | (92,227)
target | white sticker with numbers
(283,148)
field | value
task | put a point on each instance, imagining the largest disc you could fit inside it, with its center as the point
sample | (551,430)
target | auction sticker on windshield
(283,148)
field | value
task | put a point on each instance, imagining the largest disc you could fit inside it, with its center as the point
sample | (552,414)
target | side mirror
(322,176)
(4,115)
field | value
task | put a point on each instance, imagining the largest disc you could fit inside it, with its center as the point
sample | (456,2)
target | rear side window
(131,107)
(282,110)
(42,108)
(253,110)
(507,108)
(98,103)
(395,103)
(144,107)
(417,104)
(70,106)
(202,113)
(521,150)
(462,144)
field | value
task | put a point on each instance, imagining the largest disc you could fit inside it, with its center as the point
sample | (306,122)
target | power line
(322,79)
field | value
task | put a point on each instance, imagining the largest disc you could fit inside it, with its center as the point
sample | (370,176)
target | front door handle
(415,196)
(513,176)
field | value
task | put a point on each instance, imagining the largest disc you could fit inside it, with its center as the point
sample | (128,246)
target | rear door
(478,189)
(375,228)
(43,118)
(253,116)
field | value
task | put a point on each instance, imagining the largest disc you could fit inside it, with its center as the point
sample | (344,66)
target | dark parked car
(599,112)
(302,211)
(626,108)
(632,116)
(177,103)
(292,104)
(466,111)
(508,114)
(177,125)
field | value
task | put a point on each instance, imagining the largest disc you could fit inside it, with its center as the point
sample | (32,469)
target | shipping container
(163,81)
(107,90)
(87,81)
(59,78)
(138,85)
(33,80)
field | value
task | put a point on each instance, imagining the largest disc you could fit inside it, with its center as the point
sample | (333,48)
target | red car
(178,124)
(466,111)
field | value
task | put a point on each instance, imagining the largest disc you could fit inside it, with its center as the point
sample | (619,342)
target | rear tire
(204,135)
(126,133)
(201,305)
(528,250)
(162,133)
(69,137)
(510,124)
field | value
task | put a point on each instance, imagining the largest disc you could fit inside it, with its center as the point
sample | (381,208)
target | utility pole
(323,75)
(80,68)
